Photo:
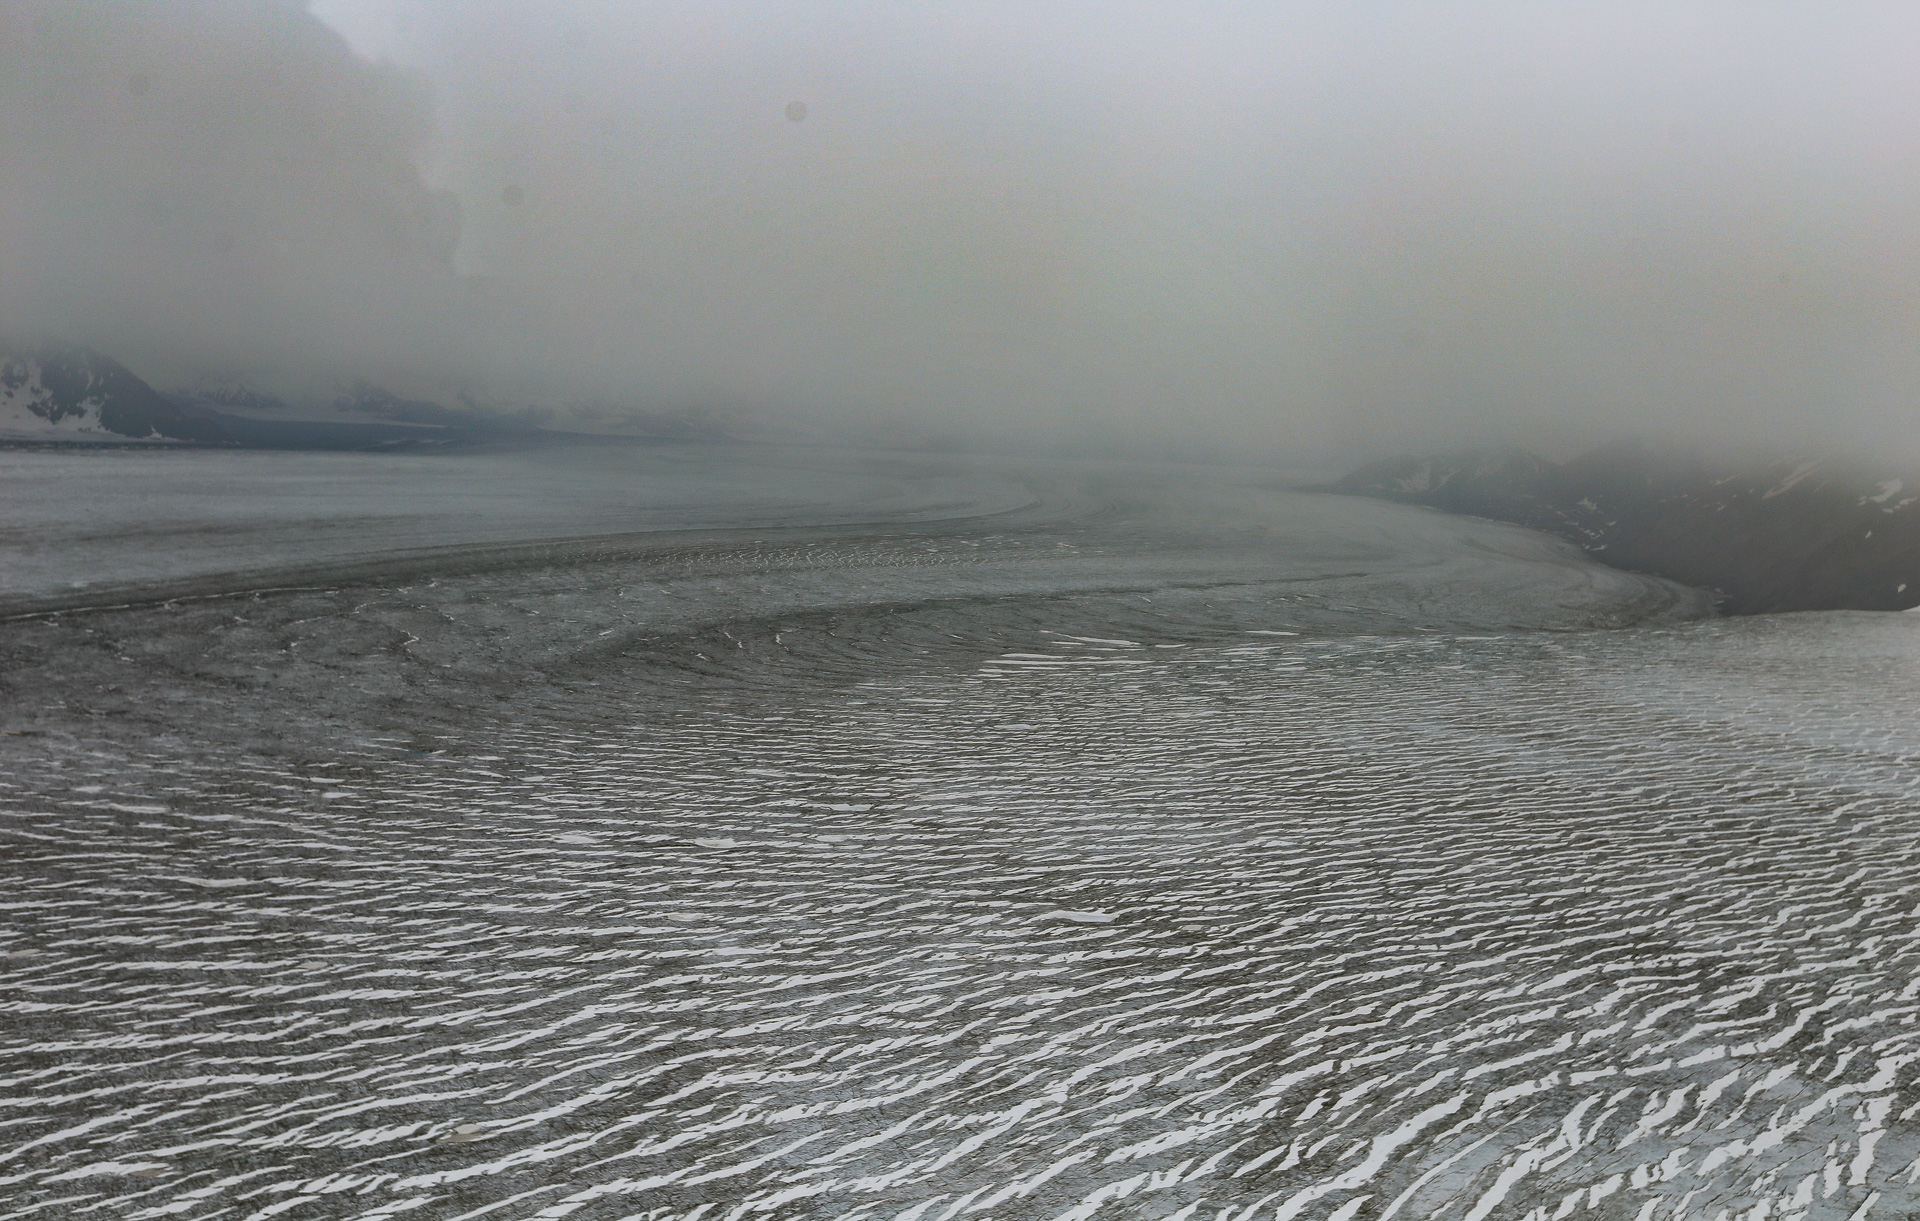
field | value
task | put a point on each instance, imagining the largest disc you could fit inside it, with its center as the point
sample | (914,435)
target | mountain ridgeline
(58,392)
(1768,536)
(66,394)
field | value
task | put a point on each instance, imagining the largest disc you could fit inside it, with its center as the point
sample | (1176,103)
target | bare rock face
(59,392)
(1782,535)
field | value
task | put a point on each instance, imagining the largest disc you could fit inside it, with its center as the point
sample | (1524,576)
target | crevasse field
(733,832)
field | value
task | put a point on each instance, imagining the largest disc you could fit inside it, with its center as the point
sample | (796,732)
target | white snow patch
(26,410)
(1788,484)
(1420,481)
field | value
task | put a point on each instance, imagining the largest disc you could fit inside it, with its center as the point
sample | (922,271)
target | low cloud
(1288,231)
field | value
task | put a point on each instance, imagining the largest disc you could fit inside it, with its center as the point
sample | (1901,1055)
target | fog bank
(1310,231)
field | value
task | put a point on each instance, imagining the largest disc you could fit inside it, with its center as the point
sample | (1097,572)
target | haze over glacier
(701,610)
(1325,232)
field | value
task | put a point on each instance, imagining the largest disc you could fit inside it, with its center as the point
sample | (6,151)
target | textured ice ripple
(1582,925)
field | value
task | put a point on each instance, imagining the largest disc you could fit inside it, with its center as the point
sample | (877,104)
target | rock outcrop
(1781,535)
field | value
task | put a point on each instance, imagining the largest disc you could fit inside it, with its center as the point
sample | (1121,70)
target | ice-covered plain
(993,839)
(83,519)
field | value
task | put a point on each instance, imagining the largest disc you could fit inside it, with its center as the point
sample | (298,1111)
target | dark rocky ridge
(1779,535)
(64,394)
(53,391)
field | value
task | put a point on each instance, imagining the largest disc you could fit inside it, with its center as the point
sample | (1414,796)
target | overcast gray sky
(1315,229)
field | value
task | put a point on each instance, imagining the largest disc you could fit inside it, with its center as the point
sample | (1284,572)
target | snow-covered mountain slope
(65,393)
(56,392)
(29,407)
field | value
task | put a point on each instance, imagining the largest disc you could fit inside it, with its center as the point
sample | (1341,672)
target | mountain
(1775,535)
(260,419)
(60,392)
(229,396)
(369,401)
(65,393)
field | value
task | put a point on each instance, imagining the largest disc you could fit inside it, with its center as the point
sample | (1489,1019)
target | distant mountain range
(51,392)
(63,393)
(1767,536)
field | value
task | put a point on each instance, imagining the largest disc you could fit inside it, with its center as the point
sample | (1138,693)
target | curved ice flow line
(417,563)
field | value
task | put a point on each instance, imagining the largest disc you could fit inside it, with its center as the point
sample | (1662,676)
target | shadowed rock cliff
(1780,535)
